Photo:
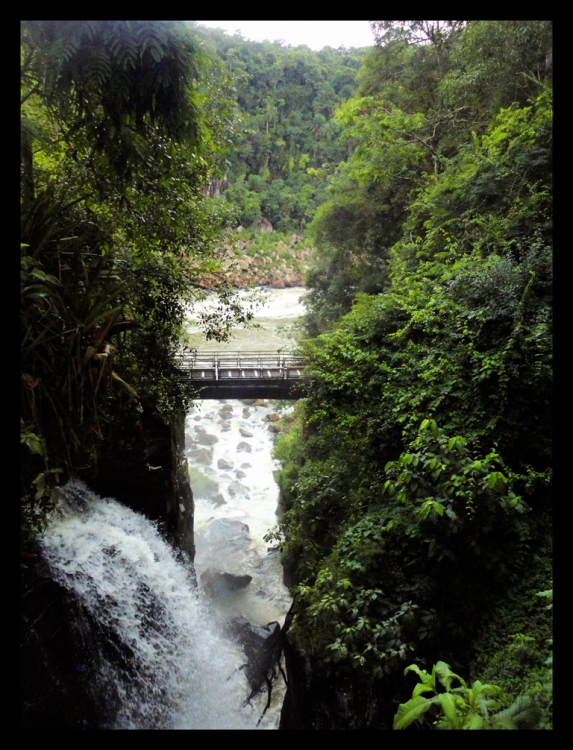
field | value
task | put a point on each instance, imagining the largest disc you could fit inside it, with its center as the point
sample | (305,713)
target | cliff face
(277,263)
(317,699)
(150,475)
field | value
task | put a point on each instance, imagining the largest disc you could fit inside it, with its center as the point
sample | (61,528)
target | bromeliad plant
(463,707)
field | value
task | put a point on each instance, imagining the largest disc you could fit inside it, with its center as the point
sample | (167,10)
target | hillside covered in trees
(416,477)
(416,472)
(287,137)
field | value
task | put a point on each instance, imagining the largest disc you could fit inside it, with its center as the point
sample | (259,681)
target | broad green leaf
(448,704)
(410,711)
(421,688)
(475,722)
(445,675)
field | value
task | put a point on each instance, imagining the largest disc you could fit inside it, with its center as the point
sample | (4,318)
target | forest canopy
(416,479)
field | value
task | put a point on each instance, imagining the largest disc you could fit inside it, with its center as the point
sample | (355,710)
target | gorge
(158,642)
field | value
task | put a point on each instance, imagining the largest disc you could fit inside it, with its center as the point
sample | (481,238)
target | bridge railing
(207,365)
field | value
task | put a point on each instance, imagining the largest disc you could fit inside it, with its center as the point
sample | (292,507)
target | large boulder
(265,225)
(225,464)
(219,583)
(201,455)
(204,439)
(236,488)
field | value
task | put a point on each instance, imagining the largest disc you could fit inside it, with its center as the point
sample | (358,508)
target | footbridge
(242,374)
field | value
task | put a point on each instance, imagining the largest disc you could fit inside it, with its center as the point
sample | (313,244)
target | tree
(116,232)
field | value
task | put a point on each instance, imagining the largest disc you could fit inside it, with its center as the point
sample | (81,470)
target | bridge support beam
(289,390)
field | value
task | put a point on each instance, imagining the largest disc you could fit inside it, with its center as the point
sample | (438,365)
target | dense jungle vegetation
(416,474)
(120,132)
(289,140)
(416,477)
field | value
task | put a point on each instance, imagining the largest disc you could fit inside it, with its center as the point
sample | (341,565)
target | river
(170,655)
(233,484)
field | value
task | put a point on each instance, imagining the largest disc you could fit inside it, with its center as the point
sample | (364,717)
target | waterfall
(160,659)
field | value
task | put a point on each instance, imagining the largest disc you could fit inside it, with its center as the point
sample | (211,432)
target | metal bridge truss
(242,374)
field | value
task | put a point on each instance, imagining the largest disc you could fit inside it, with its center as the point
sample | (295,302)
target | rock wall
(148,472)
(317,699)
(243,262)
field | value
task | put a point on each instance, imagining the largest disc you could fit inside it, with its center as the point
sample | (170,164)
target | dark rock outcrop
(219,583)
(317,699)
(261,644)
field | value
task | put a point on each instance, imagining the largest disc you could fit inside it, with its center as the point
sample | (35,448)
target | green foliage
(116,233)
(464,707)
(287,97)
(432,294)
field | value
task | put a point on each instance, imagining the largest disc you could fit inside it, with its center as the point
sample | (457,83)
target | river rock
(240,474)
(218,499)
(226,411)
(218,583)
(228,539)
(246,412)
(225,464)
(246,466)
(243,447)
(203,486)
(206,439)
(201,455)
(245,433)
(236,488)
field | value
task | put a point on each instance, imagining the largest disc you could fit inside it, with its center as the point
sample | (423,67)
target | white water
(182,671)
(245,491)
(280,310)
(129,580)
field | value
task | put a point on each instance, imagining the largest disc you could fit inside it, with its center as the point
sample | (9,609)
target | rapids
(160,650)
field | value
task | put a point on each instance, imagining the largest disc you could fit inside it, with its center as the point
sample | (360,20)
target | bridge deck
(242,374)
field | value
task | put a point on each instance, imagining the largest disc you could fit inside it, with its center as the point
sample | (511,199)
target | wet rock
(218,583)
(246,465)
(225,464)
(228,539)
(201,455)
(261,402)
(245,433)
(261,645)
(243,447)
(274,417)
(205,439)
(236,488)
(203,486)
(226,411)
(240,474)
(248,401)
(246,413)
(219,499)
(274,428)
